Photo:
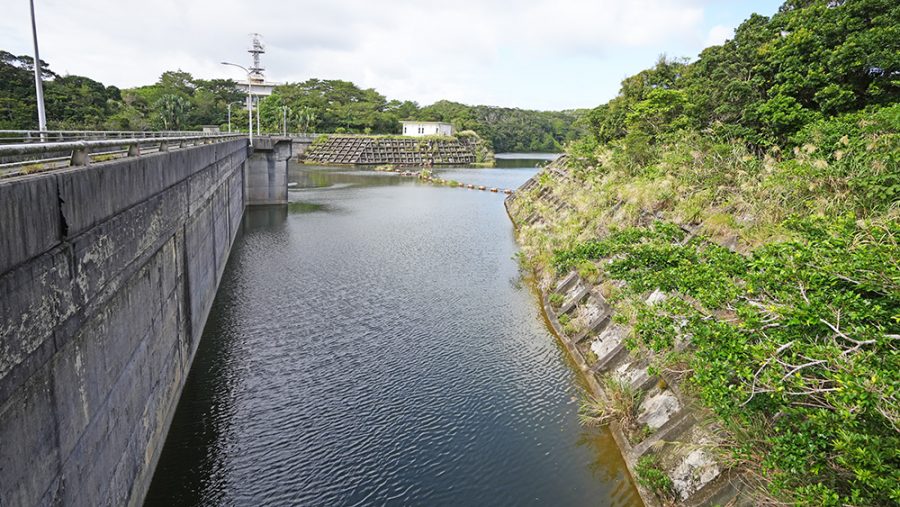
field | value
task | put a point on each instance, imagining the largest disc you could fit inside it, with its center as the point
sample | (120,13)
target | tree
(171,111)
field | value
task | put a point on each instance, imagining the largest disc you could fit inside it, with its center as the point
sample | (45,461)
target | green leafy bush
(651,475)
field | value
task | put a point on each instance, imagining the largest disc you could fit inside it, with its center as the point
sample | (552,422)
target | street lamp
(38,85)
(284,110)
(249,100)
(229,115)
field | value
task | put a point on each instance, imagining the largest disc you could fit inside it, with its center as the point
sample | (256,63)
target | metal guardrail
(37,136)
(303,134)
(31,157)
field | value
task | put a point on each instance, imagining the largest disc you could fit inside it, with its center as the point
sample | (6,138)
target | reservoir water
(373,343)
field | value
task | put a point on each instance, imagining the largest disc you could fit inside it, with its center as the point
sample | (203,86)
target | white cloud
(718,35)
(418,49)
(577,25)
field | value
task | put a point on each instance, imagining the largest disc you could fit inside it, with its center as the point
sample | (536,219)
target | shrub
(556,299)
(651,475)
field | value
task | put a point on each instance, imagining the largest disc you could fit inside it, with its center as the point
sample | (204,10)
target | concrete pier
(267,171)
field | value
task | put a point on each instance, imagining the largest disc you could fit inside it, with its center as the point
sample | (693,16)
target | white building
(258,87)
(426,128)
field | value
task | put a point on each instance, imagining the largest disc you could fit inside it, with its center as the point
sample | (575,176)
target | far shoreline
(527,156)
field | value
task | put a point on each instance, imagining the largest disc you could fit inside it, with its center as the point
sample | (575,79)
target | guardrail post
(163,146)
(134,150)
(81,156)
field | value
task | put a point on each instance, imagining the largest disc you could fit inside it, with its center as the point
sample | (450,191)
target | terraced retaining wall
(670,427)
(369,150)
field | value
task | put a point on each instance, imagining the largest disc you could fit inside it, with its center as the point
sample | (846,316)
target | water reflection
(262,217)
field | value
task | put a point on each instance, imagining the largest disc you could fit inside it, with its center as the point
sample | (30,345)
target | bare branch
(753,390)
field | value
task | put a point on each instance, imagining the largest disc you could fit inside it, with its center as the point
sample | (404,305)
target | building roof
(426,122)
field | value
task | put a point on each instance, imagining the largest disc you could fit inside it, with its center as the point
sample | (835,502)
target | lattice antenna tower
(256,49)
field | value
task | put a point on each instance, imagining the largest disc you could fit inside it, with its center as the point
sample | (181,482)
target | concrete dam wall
(107,274)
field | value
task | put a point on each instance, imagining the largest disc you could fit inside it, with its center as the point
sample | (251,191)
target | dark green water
(373,344)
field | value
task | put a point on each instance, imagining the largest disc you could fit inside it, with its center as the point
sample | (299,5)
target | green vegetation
(759,187)
(622,405)
(651,476)
(509,129)
(178,101)
(812,60)
(556,299)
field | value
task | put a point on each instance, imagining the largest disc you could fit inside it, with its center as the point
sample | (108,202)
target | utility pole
(38,83)
(229,117)
(284,119)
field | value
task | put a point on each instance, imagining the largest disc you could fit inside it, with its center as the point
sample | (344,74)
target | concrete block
(201,186)
(29,458)
(106,254)
(697,469)
(200,268)
(29,219)
(658,408)
(236,202)
(37,299)
(221,232)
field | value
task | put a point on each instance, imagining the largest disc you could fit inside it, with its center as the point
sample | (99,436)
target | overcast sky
(536,54)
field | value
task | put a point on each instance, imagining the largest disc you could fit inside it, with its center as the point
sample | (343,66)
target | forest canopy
(810,61)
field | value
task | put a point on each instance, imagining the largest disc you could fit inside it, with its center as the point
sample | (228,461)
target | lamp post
(229,114)
(249,100)
(38,84)
(284,110)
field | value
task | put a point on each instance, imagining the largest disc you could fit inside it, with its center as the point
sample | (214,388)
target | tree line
(179,101)
(811,61)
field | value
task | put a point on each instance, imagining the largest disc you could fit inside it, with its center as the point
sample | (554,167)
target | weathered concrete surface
(267,171)
(107,274)
(672,427)
(300,143)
